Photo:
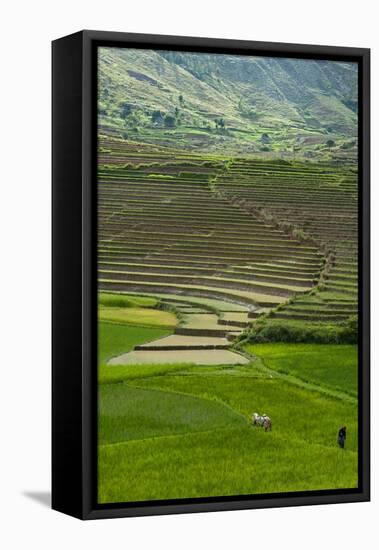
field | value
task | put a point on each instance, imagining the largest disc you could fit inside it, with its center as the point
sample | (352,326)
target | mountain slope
(221,102)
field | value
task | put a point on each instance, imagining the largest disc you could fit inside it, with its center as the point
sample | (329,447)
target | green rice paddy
(177,431)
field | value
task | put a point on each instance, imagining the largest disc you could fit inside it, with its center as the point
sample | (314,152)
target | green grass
(296,412)
(125,300)
(174,431)
(299,454)
(332,365)
(132,413)
(122,373)
(138,316)
(114,339)
(222,462)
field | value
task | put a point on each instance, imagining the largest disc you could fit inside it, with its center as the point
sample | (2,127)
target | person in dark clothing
(342,437)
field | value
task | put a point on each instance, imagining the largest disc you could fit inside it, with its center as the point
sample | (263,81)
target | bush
(299,234)
(125,110)
(169,121)
(157,117)
(348,144)
(349,330)
(342,333)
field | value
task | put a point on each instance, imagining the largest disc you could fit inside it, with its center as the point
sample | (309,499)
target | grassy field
(173,414)
(138,316)
(107,299)
(182,431)
(114,339)
(126,321)
(329,365)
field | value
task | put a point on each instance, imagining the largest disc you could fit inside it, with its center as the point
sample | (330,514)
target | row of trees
(161,118)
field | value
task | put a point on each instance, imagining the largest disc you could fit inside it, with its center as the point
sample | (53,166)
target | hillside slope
(228,103)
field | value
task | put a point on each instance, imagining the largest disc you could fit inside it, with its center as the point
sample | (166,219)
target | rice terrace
(227,274)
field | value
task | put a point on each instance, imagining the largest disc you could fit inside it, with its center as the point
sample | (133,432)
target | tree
(330,143)
(265,138)
(220,123)
(125,110)
(181,100)
(157,117)
(169,121)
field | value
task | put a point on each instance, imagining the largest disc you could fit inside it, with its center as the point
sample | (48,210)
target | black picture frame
(74,337)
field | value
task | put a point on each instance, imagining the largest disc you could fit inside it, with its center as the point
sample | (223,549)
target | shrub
(219,123)
(348,145)
(342,333)
(157,117)
(169,121)
(349,330)
(299,234)
(125,110)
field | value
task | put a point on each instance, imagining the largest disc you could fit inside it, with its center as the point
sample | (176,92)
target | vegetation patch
(267,329)
(114,339)
(332,365)
(137,316)
(299,454)
(125,300)
(130,413)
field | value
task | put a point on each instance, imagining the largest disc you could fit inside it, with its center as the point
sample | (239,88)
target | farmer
(341,437)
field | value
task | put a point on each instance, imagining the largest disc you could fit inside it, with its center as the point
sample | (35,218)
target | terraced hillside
(227,274)
(319,203)
(170,226)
